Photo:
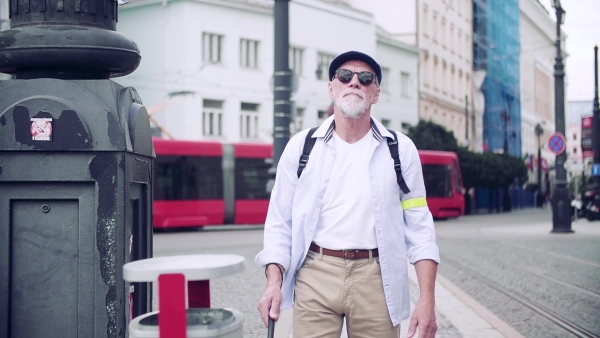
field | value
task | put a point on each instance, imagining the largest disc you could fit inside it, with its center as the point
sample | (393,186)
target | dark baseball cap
(354,55)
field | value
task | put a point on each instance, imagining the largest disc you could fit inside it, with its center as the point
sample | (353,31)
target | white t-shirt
(346,220)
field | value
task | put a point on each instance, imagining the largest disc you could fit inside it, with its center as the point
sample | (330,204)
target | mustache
(355,92)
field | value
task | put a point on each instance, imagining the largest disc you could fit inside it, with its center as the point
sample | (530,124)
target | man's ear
(330,90)
(376,95)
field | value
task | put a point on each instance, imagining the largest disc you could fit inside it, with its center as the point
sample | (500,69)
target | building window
(405,83)
(249,121)
(385,86)
(453,86)
(434,27)
(323,62)
(426,71)
(426,21)
(248,53)
(386,122)
(444,33)
(211,52)
(212,118)
(321,116)
(444,85)
(296,60)
(459,48)
(451,42)
(436,77)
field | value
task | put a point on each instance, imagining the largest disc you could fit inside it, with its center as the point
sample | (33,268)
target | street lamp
(282,81)
(596,133)
(505,117)
(538,132)
(561,216)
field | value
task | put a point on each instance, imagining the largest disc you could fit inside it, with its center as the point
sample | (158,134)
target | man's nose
(354,81)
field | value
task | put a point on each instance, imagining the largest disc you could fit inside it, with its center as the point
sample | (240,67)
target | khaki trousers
(330,288)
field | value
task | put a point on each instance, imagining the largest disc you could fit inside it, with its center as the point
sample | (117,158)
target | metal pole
(505,117)
(561,205)
(281,81)
(596,132)
(539,131)
(467,118)
(596,117)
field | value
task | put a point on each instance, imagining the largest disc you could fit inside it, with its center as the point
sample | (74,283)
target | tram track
(558,319)
(571,286)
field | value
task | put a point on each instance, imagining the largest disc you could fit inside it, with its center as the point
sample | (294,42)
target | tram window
(457,173)
(438,180)
(187,178)
(251,177)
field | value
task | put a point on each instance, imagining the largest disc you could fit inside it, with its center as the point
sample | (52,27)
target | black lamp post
(561,216)
(467,121)
(596,132)
(538,132)
(505,118)
(282,81)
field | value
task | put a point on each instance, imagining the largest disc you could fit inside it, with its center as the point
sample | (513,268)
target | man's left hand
(423,318)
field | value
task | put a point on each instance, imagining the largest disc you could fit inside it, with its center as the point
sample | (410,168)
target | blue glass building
(496,50)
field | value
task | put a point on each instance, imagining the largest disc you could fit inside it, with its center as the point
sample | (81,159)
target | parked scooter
(590,206)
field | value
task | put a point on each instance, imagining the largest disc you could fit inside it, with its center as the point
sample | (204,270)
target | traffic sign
(557,143)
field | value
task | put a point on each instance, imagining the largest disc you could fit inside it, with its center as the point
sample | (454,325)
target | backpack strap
(393,145)
(309,143)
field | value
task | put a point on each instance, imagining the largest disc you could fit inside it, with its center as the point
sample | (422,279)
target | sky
(582,27)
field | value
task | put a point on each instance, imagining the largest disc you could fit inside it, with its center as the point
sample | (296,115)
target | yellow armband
(414,202)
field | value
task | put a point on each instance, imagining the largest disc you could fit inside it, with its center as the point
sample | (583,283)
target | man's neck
(352,130)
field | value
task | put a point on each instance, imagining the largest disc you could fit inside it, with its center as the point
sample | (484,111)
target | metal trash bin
(201,323)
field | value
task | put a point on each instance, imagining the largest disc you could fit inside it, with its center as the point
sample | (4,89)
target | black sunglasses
(365,78)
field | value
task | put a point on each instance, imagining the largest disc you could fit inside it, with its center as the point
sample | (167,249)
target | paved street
(507,263)
(542,284)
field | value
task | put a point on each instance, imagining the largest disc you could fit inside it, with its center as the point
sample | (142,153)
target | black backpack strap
(393,145)
(309,143)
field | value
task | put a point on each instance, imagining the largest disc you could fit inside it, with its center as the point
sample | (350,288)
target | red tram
(199,183)
(210,183)
(443,183)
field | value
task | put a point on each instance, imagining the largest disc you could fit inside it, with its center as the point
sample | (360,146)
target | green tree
(485,170)
(431,136)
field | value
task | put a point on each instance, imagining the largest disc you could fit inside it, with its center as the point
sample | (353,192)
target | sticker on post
(41,129)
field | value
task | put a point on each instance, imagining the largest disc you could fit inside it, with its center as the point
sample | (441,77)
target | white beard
(352,106)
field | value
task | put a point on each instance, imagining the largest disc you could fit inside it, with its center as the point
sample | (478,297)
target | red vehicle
(443,183)
(210,183)
(199,183)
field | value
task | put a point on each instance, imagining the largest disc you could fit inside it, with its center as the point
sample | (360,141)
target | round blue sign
(557,143)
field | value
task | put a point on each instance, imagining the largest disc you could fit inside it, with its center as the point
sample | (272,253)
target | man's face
(353,98)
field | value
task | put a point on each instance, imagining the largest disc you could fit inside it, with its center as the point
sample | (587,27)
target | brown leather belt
(347,254)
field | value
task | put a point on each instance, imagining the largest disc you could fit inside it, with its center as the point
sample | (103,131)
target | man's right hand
(270,302)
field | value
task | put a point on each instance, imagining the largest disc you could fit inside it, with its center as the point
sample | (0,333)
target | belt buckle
(355,252)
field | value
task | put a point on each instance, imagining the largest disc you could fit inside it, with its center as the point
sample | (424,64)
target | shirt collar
(326,129)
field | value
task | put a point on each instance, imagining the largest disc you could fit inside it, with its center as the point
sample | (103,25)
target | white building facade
(538,53)
(207,65)
(441,30)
